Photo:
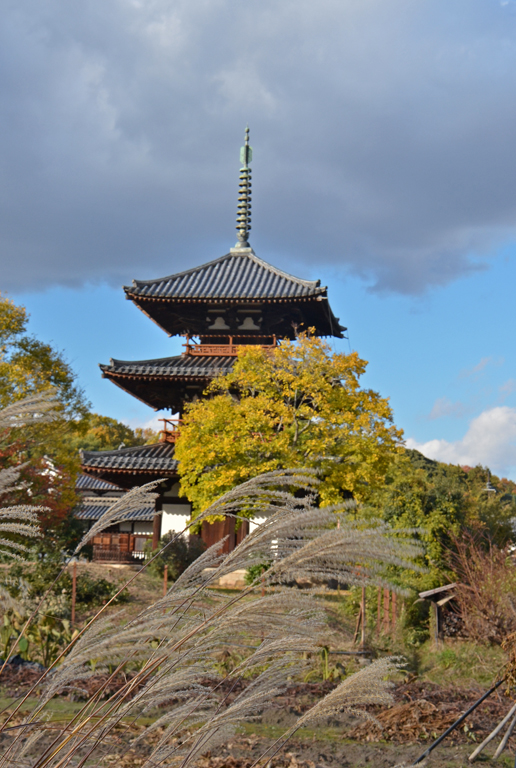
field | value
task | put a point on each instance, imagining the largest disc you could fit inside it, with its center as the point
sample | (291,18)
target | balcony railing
(170,431)
(220,350)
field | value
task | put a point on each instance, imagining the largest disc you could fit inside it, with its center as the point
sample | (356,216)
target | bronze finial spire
(243,224)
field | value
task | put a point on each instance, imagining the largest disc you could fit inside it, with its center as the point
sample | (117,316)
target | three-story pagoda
(235,300)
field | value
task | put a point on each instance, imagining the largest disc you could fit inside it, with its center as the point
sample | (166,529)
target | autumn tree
(297,405)
(102,433)
(28,366)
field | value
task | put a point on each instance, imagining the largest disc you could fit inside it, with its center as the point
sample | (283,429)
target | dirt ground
(421,712)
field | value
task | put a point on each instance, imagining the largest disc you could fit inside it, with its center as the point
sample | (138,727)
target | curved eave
(133,295)
(116,380)
(155,308)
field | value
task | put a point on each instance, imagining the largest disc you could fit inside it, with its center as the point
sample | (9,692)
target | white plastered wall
(174,517)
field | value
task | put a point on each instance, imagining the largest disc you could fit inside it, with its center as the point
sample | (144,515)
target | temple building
(237,299)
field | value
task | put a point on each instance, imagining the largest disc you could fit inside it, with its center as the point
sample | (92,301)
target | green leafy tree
(445,501)
(297,406)
(102,433)
(28,366)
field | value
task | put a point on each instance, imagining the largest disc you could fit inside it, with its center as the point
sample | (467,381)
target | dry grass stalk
(172,645)
(485,592)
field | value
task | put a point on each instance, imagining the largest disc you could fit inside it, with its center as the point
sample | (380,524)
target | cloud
(507,388)
(490,440)
(383,136)
(443,407)
(481,366)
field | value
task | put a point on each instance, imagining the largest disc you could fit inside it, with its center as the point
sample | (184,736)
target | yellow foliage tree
(29,366)
(298,405)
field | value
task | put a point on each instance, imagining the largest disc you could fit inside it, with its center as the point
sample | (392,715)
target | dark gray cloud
(383,135)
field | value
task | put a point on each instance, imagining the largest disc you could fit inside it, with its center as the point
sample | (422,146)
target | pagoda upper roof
(128,467)
(239,275)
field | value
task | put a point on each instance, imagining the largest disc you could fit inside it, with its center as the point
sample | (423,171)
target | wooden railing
(119,547)
(220,350)
(170,431)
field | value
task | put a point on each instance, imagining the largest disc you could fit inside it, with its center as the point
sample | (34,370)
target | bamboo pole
(74,590)
(456,723)
(363,612)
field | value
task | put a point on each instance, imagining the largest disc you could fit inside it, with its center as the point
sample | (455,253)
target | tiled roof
(238,275)
(143,458)
(85,483)
(94,508)
(183,365)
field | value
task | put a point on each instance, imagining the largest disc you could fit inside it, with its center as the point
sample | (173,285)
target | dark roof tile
(143,458)
(85,483)
(237,275)
(93,509)
(182,365)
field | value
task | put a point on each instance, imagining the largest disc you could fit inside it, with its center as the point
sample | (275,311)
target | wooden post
(379,612)
(74,590)
(156,530)
(393,614)
(437,627)
(363,612)
(165,580)
(386,601)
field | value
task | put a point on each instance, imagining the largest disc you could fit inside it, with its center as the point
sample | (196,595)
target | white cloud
(507,388)
(490,441)
(481,366)
(443,406)
(155,423)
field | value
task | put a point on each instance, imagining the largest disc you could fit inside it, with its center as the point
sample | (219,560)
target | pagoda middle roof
(239,275)
(190,366)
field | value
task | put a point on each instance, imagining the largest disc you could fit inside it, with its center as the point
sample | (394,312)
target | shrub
(485,593)
(178,555)
(37,578)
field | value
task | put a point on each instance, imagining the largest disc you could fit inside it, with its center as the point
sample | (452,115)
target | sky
(384,164)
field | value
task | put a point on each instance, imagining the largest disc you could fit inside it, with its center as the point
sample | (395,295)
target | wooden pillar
(379,612)
(393,613)
(242,531)
(156,530)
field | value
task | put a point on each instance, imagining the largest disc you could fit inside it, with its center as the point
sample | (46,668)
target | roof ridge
(281,273)
(120,451)
(115,360)
(178,274)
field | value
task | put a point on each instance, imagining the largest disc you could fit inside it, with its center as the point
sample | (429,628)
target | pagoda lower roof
(128,467)
(169,382)
(182,366)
